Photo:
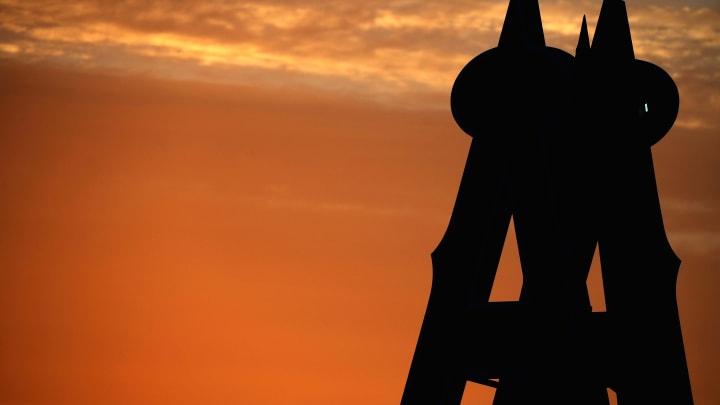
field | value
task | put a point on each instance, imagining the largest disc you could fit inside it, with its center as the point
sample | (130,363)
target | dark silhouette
(562,145)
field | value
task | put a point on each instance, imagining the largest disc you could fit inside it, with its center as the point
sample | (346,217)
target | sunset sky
(235,202)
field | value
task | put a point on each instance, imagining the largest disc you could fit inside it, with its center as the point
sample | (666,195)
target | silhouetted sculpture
(562,145)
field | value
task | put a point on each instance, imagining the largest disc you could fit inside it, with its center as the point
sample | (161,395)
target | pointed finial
(612,38)
(583,46)
(522,28)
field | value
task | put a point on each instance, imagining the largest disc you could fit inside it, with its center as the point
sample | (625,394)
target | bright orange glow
(266,238)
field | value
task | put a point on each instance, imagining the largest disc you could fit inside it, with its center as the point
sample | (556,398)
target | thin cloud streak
(696,242)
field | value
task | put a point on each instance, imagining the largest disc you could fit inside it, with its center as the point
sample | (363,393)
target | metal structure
(561,145)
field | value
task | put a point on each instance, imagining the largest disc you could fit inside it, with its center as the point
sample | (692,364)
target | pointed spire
(612,38)
(522,28)
(583,46)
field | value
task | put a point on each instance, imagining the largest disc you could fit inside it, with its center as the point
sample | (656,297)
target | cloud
(336,207)
(380,48)
(385,45)
(688,206)
(698,242)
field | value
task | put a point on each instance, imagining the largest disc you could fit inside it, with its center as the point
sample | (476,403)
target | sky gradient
(235,202)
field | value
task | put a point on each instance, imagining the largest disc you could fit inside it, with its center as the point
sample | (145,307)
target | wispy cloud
(282,198)
(690,207)
(696,241)
(394,45)
(388,47)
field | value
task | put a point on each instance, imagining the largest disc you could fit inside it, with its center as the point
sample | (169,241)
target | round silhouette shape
(504,91)
(656,101)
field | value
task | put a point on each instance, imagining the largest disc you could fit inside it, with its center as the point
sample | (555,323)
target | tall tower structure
(561,145)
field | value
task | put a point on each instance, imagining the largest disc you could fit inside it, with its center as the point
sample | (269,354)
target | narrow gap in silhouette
(477,394)
(595,284)
(508,280)
(613,397)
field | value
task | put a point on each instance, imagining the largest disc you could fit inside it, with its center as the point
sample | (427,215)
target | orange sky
(235,202)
